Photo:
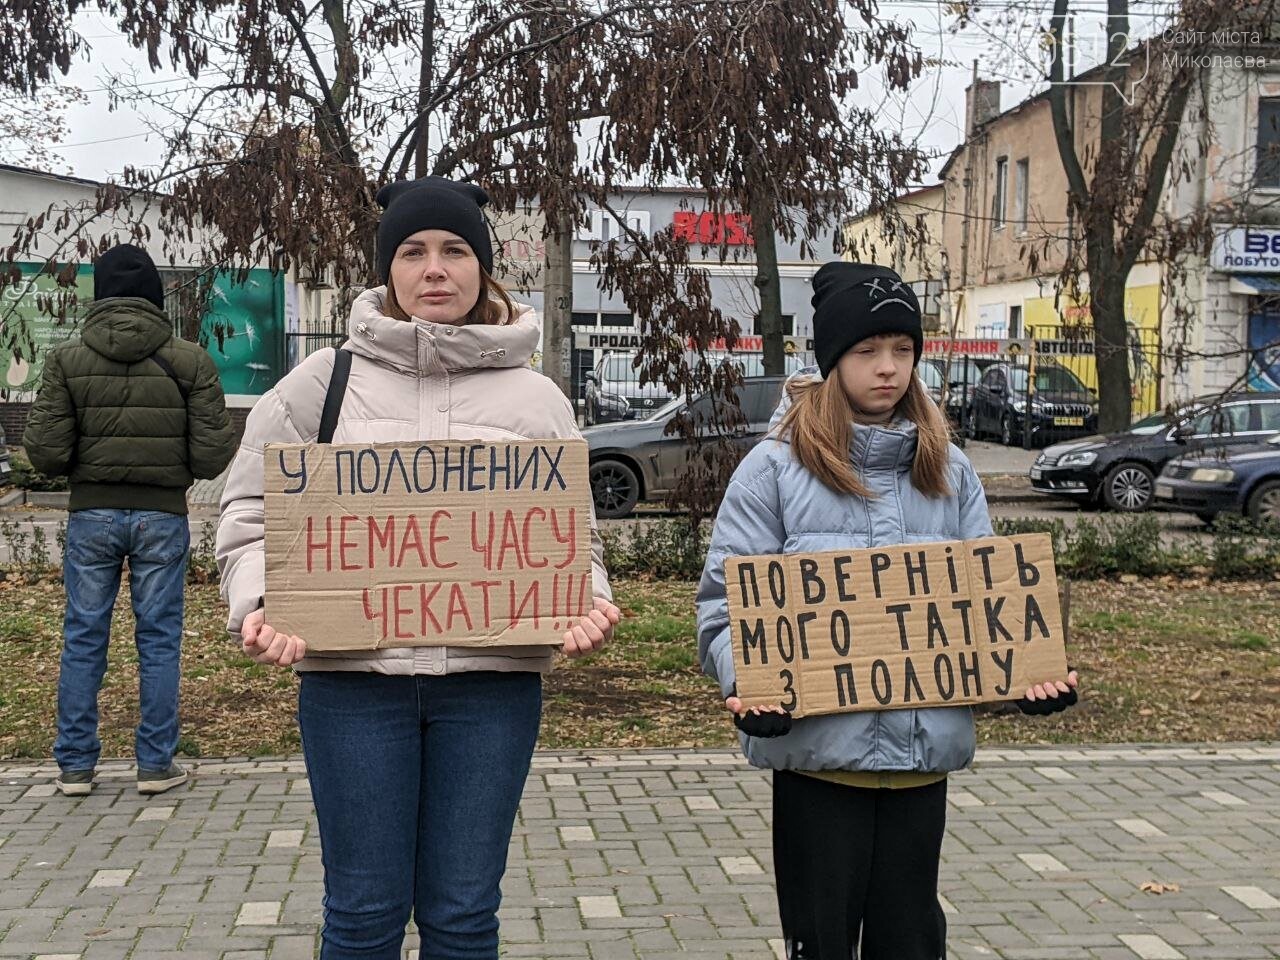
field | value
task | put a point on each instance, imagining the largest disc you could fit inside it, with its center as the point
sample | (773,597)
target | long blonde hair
(820,425)
(494,306)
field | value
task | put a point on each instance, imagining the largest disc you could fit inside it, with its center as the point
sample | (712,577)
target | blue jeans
(416,782)
(98,541)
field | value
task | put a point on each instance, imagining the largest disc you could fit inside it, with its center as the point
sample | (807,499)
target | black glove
(1042,708)
(762,724)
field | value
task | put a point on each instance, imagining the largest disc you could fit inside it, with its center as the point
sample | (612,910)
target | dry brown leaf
(1152,886)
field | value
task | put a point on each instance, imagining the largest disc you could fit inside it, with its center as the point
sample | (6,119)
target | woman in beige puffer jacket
(416,756)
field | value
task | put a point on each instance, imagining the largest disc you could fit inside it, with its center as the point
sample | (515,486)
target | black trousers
(857,869)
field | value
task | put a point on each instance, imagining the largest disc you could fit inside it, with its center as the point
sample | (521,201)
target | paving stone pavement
(638,855)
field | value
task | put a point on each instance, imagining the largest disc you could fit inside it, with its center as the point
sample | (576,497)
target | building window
(929,293)
(1002,188)
(1015,322)
(1020,188)
(1267,173)
(603,320)
(180,287)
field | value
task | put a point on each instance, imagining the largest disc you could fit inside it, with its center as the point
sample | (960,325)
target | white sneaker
(158,781)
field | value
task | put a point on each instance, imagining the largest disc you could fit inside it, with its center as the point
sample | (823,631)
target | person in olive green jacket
(132,415)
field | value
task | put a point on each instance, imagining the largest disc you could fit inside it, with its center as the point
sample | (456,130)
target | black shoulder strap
(333,396)
(167,367)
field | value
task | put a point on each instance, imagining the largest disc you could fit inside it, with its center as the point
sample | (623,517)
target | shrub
(202,567)
(663,549)
(27,477)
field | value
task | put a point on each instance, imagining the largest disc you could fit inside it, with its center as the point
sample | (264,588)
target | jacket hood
(420,346)
(889,447)
(126,329)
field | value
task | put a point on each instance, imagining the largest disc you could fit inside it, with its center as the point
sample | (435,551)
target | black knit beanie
(127,271)
(432,203)
(853,301)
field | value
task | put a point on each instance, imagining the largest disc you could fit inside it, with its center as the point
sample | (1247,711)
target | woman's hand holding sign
(261,642)
(591,632)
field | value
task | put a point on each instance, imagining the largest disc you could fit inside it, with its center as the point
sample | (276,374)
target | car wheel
(1264,504)
(1128,488)
(615,489)
(1006,431)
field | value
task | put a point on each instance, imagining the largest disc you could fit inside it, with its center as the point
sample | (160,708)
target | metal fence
(1036,391)
(1072,348)
(607,385)
(299,346)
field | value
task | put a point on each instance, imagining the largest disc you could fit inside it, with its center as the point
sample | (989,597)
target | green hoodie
(112,419)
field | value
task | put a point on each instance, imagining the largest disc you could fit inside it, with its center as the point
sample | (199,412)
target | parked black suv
(1061,405)
(1119,470)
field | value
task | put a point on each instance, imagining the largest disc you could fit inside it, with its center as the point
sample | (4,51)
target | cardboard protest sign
(427,544)
(921,624)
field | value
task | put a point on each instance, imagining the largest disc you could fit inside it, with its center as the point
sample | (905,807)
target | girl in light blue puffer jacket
(860,458)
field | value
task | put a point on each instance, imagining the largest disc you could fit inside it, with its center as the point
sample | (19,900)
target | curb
(56,501)
(1001,498)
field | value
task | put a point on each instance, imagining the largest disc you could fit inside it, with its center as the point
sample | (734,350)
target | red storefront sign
(934,347)
(732,229)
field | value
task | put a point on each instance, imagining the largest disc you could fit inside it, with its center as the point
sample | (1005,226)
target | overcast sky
(102,142)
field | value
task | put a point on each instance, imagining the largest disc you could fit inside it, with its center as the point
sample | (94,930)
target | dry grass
(1160,661)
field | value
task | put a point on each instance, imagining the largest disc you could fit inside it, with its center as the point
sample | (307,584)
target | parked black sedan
(1246,481)
(1119,470)
(1061,406)
(636,460)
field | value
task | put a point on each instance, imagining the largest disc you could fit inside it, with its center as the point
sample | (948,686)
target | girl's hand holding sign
(1053,697)
(767,721)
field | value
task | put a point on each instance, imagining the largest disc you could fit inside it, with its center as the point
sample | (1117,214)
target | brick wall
(13,417)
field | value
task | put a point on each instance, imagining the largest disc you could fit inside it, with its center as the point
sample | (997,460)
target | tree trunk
(558,206)
(557,298)
(426,83)
(1096,204)
(1111,349)
(768,284)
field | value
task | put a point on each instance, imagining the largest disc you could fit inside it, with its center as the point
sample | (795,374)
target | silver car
(614,391)
(638,460)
